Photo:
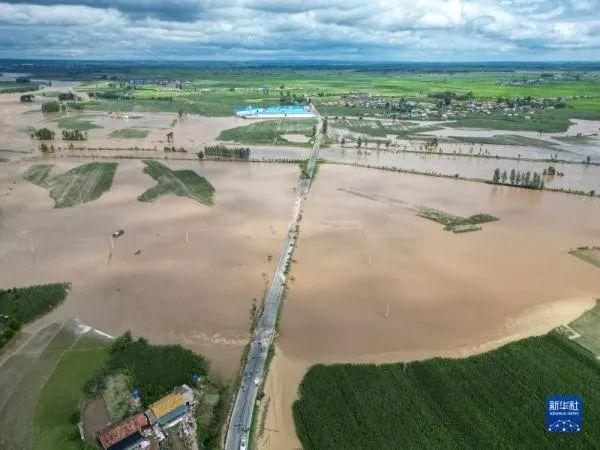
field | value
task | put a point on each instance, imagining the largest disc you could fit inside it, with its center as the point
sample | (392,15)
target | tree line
(516,178)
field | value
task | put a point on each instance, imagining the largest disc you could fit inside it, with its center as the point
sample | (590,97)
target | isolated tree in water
(496,176)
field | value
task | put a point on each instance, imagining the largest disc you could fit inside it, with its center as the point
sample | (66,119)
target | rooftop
(121,430)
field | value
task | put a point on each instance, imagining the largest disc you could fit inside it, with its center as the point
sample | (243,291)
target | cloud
(302,29)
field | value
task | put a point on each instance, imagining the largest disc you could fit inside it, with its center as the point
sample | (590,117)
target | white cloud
(319,29)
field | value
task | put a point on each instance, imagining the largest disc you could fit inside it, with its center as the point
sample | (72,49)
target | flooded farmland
(182,272)
(374,282)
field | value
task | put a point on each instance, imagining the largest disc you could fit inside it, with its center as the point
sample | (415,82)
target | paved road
(252,378)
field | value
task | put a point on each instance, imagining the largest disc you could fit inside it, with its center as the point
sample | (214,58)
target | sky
(336,30)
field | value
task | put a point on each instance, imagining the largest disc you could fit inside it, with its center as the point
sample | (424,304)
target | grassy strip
(451,403)
(184,183)
(454,223)
(79,185)
(270,132)
(129,133)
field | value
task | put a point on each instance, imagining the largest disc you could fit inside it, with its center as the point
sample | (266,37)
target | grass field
(79,185)
(184,183)
(506,139)
(543,121)
(496,398)
(129,133)
(77,122)
(588,254)
(58,403)
(454,223)
(574,139)
(270,132)
(378,128)
(588,330)
(40,387)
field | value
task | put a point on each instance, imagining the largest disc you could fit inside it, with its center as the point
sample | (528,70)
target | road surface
(252,378)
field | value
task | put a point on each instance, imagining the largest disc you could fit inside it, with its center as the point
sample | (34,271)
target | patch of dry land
(183,272)
(374,282)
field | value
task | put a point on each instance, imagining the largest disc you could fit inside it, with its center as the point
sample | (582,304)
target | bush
(51,107)
(43,134)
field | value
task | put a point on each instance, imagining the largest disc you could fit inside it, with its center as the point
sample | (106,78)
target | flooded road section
(373,282)
(182,272)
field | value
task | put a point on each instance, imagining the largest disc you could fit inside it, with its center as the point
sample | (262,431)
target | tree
(504,176)
(512,176)
(359,142)
(325,125)
(343,141)
(496,176)
(527,179)
(170,136)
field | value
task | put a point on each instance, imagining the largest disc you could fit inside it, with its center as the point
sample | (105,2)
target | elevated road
(254,369)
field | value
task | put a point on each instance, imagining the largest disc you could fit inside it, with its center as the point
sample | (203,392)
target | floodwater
(197,269)
(576,176)
(373,282)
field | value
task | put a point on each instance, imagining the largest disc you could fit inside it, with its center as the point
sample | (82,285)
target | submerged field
(448,403)
(181,273)
(79,185)
(271,132)
(184,183)
(400,288)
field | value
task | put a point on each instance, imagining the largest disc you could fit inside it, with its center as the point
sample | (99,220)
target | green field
(506,139)
(184,183)
(590,255)
(494,399)
(58,404)
(217,93)
(378,128)
(454,223)
(79,185)
(574,139)
(10,87)
(129,133)
(543,121)
(587,329)
(40,387)
(270,132)
(77,122)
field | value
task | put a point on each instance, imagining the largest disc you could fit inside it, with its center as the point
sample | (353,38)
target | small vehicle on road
(118,233)
(257,381)
(243,443)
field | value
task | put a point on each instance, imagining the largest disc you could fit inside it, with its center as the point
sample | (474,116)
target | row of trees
(516,178)
(74,135)
(222,151)
(43,134)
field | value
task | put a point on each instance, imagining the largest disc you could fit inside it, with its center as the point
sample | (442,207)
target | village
(167,423)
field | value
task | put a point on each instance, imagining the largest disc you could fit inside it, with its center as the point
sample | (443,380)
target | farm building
(124,434)
(169,409)
(274,112)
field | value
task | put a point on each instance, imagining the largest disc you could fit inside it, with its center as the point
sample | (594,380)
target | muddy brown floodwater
(373,282)
(196,290)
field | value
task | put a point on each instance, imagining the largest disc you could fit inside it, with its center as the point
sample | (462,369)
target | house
(124,434)
(169,410)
